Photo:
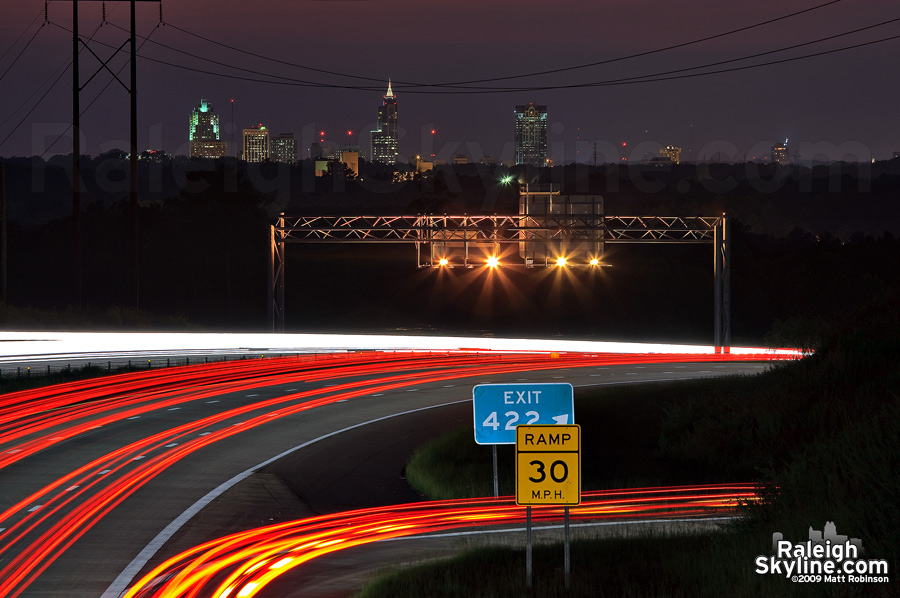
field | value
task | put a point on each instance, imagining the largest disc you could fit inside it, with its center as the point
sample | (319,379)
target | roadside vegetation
(821,436)
(25,380)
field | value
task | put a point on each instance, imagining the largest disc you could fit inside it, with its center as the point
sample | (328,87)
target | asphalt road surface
(335,457)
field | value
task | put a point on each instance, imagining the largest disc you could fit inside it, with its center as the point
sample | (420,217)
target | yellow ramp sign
(548,465)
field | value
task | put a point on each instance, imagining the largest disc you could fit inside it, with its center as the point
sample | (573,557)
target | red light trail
(243,564)
(37,529)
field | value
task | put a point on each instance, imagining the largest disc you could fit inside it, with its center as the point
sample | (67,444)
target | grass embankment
(620,446)
(825,431)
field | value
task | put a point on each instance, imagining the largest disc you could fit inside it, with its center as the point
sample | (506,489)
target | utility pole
(135,254)
(76,155)
(5,231)
(76,147)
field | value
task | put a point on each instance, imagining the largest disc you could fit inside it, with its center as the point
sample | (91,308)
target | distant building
(284,148)
(256,144)
(672,153)
(460,159)
(385,135)
(531,135)
(203,135)
(349,149)
(155,155)
(780,154)
(351,161)
(424,165)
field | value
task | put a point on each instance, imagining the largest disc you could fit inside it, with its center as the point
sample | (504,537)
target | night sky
(843,104)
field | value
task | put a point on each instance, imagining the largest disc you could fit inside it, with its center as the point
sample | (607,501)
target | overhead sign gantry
(573,233)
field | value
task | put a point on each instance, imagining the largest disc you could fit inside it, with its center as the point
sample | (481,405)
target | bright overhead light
(595,261)
(444,261)
(493,261)
(561,261)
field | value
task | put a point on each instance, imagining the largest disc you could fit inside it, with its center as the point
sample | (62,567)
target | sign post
(548,472)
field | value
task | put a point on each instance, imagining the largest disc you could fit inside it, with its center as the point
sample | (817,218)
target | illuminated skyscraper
(780,154)
(384,137)
(204,133)
(531,135)
(256,144)
(672,153)
(284,148)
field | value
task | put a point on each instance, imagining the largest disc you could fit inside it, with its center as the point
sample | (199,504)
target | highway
(102,480)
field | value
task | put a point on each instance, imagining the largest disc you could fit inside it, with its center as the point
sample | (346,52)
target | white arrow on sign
(561,419)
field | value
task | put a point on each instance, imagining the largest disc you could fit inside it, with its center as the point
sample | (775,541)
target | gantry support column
(276,275)
(722,283)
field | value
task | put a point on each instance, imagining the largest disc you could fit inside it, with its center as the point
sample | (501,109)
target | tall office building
(531,135)
(256,144)
(672,153)
(780,154)
(284,148)
(384,137)
(203,135)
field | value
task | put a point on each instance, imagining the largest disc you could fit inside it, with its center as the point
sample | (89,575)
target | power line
(41,99)
(655,77)
(36,104)
(22,51)
(21,35)
(96,97)
(650,52)
(521,75)
(225,64)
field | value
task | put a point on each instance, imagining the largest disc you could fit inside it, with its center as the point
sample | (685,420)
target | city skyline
(837,101)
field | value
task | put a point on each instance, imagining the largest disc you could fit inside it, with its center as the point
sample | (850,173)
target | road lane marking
(124,579)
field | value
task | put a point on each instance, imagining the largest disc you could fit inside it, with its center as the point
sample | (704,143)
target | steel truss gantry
(548,232)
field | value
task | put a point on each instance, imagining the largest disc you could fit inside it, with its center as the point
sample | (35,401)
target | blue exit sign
(499,408)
